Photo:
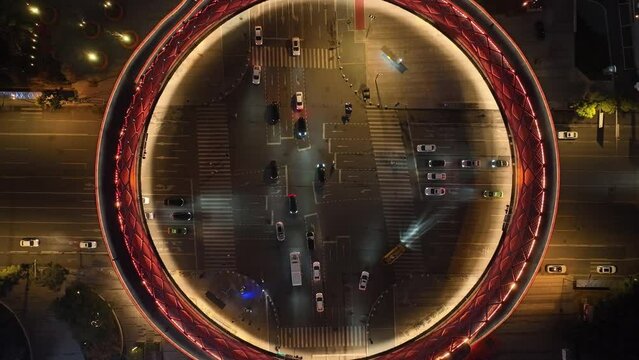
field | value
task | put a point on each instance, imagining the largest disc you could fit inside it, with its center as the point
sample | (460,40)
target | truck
(296,269)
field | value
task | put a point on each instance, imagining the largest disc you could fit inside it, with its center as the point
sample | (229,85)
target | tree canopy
(91,321)
(10,275)
(52,276)
(593,102)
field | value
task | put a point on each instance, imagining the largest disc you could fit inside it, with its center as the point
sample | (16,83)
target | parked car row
(561,269)
(35,242)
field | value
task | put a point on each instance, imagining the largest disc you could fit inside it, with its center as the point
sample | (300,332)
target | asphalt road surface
(211,142)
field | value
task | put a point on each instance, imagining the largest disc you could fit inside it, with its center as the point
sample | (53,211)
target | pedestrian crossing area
(325,336)
(30,113)
(396,190)
(215,186)
(311,58)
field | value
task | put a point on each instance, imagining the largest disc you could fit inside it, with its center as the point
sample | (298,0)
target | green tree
(52,276)
(607,105)
(49,101)
(586,109)
(627,105)
(10,275)
(91,321)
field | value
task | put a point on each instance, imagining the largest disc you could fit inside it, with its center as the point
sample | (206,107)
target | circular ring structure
(504,282)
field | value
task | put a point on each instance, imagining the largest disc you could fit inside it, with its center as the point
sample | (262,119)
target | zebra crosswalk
(396,190)
(311,58)
(214,166)
(30,113)
(325,336)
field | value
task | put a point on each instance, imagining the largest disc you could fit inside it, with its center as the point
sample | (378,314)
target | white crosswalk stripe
(311,58)
(214,166)
(395,187)
(325,336)
(30,113)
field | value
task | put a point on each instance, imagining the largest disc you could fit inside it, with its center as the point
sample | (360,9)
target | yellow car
(394,254)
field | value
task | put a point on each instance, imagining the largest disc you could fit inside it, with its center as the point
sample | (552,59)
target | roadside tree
(52,276)
(91,321)
(10,275)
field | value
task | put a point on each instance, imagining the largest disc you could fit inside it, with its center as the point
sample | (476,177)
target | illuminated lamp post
(128,38)
(379,97)
(47,14)
(97,59)
(113,10)
(91,29)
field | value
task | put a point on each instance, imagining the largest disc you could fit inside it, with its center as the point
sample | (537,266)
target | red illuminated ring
(504,282)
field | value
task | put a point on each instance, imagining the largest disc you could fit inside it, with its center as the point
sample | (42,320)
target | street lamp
(371,17)
(34,10)
(97,59)
(127,38)
(379,98)
(92,56)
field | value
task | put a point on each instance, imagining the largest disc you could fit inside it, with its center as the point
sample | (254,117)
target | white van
(296,269)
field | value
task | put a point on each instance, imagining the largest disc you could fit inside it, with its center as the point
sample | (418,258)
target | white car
(146,200)
(470,163)
(436,176)
(319,302)
(149,215)
(88,244)
(363,280)
(30,242)
(279,231)
(606,269)
(495,163)
(258,36)
(257,74)
(317,275)
(567,135)
(434,191)
(421,148)
(493,194)
(299,101)
(295,46)
(556,269)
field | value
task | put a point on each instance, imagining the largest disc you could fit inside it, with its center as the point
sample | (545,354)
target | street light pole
(371,17)
(379,98)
